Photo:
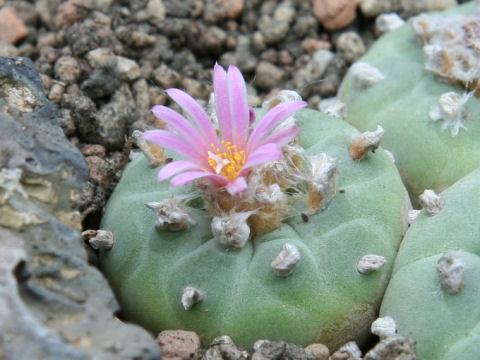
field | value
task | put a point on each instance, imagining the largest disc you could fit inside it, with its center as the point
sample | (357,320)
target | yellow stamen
(227,163)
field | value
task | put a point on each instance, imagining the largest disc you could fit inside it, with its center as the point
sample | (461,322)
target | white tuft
(190,297)
(432,203)
(365,75)
(232,230)
(284,264)
(171,214)
(451,109)
(450,268)
(384,327)
(370,262)
(387,22)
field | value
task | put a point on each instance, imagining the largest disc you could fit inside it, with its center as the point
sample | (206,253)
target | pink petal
(236,186)
(180,125)
(196,112)
(189,176)
(271,119)
(263,154)
(282,137)
(175,143)
(176,167)
(220,88)
(239,111)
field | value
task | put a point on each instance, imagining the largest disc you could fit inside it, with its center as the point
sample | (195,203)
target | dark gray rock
(109,124)
(53,305)
(103,81)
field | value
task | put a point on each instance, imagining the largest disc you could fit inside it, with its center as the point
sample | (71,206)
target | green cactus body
(427,157)
(325,298)
(445,326)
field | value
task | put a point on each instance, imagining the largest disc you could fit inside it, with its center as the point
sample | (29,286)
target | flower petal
(263,154)
(189,176)
(176,167)
(236,186)
(180,125)
(175,143)
(196,112)
(271,119)
(239,110)
(282,137)
(220,88)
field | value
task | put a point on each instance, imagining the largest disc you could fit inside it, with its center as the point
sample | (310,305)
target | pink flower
(225,159)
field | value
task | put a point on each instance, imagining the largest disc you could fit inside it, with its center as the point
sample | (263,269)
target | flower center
(227,161)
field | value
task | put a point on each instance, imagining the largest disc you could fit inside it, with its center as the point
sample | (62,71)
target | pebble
(267,350)
(66,122)
(167,77)
(397,347)
(128,68)
(319,351)
(12,27)
(98,168)
(242,56)
(94,150)
(273,31)
(335,14)
(69,12)
(206,40)
(197,89)
(223,348)
(371,8)
(350,45)
(305,26)
(67,69)
(319,63)
(102,82)
(56,93)
(268,76)
(7,49)
(26,11)
(311,45)
(179,345)
(217,11)
(156,11)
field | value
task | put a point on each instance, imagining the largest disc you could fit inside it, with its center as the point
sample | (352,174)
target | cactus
(431,120)
(434,293)
(168,279)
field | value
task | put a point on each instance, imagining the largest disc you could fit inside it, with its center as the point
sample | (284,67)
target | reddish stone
(69,12)
(335,14)
(98,168)
(12,27)
(179,345)
(312,45)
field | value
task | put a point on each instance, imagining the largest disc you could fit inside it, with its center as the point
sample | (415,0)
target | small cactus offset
(434,293)
(270,252)
(419,83)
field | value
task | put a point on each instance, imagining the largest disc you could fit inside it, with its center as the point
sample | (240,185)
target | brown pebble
(67,69)
(95,149)
(179,345)
(69,12)
(319,351)
(335,14)
(12,27)
(56,93)
(312,45)
(98,168)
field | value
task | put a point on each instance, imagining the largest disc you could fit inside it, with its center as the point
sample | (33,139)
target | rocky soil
(103,64)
